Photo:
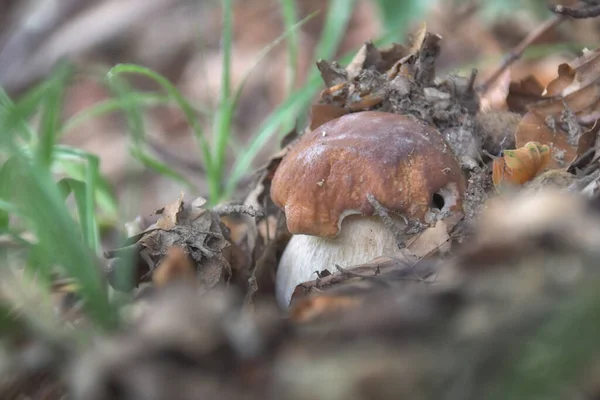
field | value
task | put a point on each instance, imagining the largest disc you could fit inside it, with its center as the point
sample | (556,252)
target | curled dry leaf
(572,149)
(347,289)
(177,265)
(322,113)
(187,241)
(495,98)
(577,74)
(397,80)
(581,102)
(523,93)
(521,165)
(513,225)
(577,87)
(533,128)
(566,75)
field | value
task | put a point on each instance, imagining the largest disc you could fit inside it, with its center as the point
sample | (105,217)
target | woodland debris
(188,241)
(521,165)
(378,341)
(400,80)
(591,10)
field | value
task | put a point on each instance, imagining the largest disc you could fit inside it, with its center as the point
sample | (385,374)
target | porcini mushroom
(323,182)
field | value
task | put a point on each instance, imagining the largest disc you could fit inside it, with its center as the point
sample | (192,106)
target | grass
(40,177)
(50,174)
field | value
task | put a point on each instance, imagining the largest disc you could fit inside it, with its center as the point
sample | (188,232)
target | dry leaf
(533,128)
(566,75)
(322,113)
(346,288)
(577,86)
(586,147)
(196,230)
(432,240)
(577,101)
(495,97)
(521,165)
(177,265)
(584,71)
(367,56)
(417,39)
(523,93)
(332,74)
(312,307)
(168,214)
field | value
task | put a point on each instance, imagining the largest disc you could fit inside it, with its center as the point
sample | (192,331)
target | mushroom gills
(361,239)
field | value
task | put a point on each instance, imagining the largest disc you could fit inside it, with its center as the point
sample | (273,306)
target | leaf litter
(483,279)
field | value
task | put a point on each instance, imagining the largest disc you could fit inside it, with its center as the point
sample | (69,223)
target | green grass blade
(133,114)
(224,115)
(266,131)
(7,172)
(75,164)
(288,10)
(112,105)
(174,94)
(336,22)
(14,117)
(51,116)
(45,213)
(226,40)
(159,167)
(59,240)
(79,191)
(338,15)
(9,208)
(396,15)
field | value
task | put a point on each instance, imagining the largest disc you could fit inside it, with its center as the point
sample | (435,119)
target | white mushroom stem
(361,239)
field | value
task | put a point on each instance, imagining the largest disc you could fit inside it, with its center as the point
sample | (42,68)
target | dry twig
(518,51)
(591,11)
(388,222)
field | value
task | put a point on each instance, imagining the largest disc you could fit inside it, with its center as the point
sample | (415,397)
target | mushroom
(324,182)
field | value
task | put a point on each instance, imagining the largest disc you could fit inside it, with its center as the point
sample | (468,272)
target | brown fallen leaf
(168,214)
(177,265)
(566,75)
(346,289)
(578,101)
(576,89)
(432,240)
(495,97)
(366,56)
(521,165)
(197,231)
(310,308)
(533,128)
(578,73)
(586,146)
(322,113)
(523,93)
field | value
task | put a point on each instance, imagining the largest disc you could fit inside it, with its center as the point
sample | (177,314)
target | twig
(348,272)
(388,222)
(237,209)
(518,51)
(578,13)
(377,279)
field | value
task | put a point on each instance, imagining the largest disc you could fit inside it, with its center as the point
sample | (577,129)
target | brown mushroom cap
(329,172)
